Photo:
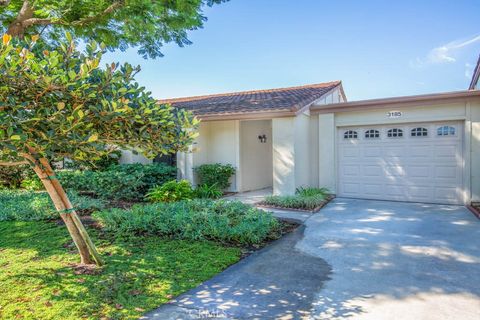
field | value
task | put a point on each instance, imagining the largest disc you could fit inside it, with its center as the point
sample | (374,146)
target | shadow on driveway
(275,282)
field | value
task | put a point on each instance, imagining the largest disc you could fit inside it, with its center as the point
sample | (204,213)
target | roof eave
(476,76)
(247,115)
(407,101)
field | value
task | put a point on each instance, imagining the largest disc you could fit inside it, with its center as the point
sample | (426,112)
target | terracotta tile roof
(282,99)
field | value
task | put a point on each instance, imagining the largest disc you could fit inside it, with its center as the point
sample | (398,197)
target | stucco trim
(407,101)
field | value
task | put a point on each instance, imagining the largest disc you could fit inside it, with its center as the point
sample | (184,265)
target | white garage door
(416,162)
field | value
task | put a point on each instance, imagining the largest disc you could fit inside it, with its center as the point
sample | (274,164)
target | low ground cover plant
(21,205)
(141,273)
(215,175)
(220,221)
(204,191)
(171,191)
(304,199)
(119,182)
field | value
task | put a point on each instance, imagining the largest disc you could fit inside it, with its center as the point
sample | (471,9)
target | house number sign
(394,114)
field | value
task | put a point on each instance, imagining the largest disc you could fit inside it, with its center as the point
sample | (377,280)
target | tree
(145,24)
(59,103)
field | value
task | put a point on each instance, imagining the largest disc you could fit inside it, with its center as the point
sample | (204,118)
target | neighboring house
(422,148)
(475,77)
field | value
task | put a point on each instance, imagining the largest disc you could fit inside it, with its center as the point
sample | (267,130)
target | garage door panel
(395,152)
(351,170)
(420,169)
(351,188)
(446,172)
(349,152)
(419,151)
(448,194)
(372,188)
(396,171)
(395,191)
(372,171)
(372,151)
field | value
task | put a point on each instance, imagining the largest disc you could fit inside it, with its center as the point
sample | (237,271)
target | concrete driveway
(355,259)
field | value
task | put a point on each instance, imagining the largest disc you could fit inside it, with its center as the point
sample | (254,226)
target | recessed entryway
(256,164)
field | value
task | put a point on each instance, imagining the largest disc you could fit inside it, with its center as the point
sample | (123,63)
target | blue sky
(377,48)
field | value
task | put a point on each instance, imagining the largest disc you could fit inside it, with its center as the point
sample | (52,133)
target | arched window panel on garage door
(446,131)
(372,133)
(419,132)
(395,133)
(350,134)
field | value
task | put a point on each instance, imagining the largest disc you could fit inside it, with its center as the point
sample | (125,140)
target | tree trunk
(17,28)
(73,215)
(85,246)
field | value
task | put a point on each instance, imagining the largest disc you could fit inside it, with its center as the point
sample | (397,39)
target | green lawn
(38,282)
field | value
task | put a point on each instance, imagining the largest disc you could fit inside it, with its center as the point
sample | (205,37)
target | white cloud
(446,53)
(469,70)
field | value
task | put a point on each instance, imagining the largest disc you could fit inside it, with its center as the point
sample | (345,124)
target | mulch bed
(475,209)
(316,209)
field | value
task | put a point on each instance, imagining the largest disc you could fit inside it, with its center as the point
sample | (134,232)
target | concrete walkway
(355,259)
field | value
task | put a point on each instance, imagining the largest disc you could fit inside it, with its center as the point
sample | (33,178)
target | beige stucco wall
(283,137)
(255,157)
(314,150)
(302,150)
(326,151)
(469,112)
(474,118)
(292,153)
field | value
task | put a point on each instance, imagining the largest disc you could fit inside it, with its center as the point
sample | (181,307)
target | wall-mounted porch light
(262,138)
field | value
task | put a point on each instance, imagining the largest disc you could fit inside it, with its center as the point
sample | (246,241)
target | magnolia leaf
(60,106)
(6,39)
(93,138)
(15,137)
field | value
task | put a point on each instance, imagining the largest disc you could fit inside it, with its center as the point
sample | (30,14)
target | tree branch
(105,12)
(38,21)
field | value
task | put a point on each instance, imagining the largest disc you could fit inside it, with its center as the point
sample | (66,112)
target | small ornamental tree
(59,103)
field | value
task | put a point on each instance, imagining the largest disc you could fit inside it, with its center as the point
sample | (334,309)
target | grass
(304,199)
(37,280)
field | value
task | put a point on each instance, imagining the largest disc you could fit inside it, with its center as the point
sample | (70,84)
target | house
(268,135)
(423,148)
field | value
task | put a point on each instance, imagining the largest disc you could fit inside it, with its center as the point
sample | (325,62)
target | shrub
(119,182)
(310,192)
(221,221)
(215,174)
(27,205)
(32,184)
(304,199)
(204,191)
(171,191)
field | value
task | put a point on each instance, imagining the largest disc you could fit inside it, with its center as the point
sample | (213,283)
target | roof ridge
(227,94)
